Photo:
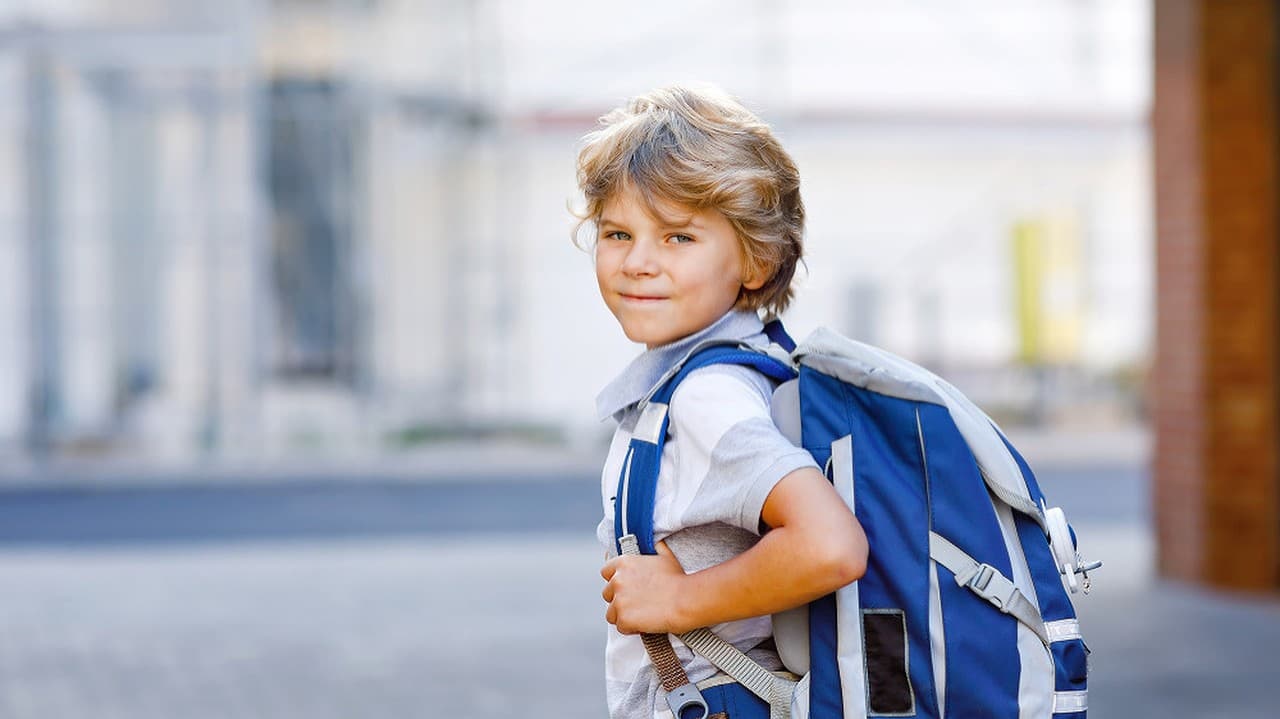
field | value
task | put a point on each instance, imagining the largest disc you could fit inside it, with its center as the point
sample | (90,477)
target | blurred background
(288,228)
(297,357)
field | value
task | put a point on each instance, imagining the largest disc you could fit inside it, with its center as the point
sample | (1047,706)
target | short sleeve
(725,451)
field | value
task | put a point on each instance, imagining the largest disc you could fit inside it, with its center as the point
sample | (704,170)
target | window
(311,135)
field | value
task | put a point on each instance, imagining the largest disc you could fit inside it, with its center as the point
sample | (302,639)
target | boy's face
(666,279)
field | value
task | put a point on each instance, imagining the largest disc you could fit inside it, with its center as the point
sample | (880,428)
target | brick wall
(1217,504)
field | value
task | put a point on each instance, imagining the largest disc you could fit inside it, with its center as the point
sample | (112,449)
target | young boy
(698,223)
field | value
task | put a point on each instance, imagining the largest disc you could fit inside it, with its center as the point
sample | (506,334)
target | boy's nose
(640,260)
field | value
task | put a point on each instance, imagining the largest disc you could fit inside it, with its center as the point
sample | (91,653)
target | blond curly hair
(700,148)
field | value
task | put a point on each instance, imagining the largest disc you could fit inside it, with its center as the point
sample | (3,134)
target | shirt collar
(644,371)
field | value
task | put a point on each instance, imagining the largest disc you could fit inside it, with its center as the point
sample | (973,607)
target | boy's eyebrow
(689,224)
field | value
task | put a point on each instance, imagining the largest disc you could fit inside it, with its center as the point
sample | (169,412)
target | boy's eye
(617,235)
(680,239)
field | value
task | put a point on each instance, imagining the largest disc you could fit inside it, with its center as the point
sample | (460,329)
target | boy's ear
(754,280)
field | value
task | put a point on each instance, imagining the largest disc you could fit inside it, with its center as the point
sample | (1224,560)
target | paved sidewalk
(487,628)
(1166,650)
(484,625)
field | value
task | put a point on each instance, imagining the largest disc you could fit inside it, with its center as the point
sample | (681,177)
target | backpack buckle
(1001,593)
(981,577)
(687,697)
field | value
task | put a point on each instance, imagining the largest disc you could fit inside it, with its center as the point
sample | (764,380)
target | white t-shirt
(722,457)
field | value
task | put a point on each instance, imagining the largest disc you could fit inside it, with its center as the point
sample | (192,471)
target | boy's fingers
(607,594)
(609,568)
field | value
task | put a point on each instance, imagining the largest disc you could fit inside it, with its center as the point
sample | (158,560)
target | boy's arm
(815,546)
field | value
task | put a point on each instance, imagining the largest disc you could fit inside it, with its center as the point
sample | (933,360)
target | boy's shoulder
(723,383)
(714,399)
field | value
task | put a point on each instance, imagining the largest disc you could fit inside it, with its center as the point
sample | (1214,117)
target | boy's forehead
(627,200)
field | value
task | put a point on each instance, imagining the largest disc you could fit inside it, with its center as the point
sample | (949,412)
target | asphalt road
(247,511)
(353,508)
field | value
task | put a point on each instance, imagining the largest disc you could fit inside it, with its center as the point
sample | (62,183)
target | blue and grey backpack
(964,609)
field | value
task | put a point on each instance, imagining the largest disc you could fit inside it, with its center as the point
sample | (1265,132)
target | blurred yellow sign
(1048,282)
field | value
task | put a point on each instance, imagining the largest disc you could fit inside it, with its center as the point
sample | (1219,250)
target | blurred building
(1217,380)
(323,226)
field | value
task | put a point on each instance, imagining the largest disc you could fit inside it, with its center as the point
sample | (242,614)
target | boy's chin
(649,339)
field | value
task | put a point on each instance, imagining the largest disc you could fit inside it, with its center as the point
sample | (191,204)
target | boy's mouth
(640,298)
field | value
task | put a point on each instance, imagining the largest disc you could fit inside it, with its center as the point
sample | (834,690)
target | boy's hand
(642,592)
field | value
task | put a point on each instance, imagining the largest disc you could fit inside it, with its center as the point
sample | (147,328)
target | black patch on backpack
(884,642)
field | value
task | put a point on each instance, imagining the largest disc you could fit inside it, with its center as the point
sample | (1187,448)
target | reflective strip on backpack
(849,604)
(1062,630)
(1070,702)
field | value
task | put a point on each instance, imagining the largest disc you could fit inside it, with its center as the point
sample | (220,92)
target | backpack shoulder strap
(638,480)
